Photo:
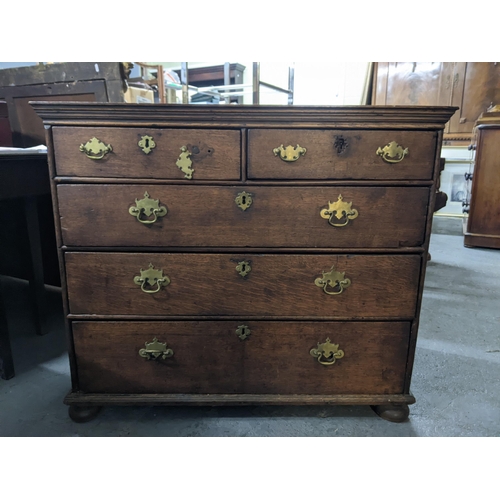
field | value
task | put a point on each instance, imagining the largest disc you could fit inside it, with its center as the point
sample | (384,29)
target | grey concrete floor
(455,380)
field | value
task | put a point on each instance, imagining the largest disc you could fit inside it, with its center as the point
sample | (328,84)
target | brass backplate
(151,278)
(147,144)
(339,213)
(149,208)
(155,350)
(185,163)
(333,282)
(95,149)
(289,153)
(392,152)
(327,353)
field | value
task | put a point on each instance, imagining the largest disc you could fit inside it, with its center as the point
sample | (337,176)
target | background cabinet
(472,86)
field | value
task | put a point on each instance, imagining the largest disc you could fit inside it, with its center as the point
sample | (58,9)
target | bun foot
(82,414)
(392,412)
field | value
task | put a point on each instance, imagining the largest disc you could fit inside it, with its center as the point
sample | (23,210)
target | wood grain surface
(207,216)
(209,284)
(322,161)
(210,358)
(215,153)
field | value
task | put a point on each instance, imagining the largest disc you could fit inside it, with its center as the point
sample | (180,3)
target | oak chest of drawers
(242,254)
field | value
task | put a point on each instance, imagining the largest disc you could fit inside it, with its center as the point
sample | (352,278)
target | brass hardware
(334,280)
(341,210)
(185,163)
(152,277)
(289,153)
(146,144)
(243,268)
(156,349)
(243,332)
(340,145)
(95,149)
(244,200)
(328,352)
(392,152)
(148,207)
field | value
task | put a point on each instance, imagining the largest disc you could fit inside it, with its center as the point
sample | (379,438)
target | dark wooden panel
(206,216)
(278,285)
(322,161)
(204,360)
(215,153)
(210,358)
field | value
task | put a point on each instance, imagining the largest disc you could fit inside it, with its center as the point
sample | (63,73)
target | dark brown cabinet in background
(472,86)
(483,204)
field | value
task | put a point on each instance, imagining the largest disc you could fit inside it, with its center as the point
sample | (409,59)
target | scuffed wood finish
(205,216)
(356,117)
(210,358)
(322,160)
(215,153)
(278,285)
(204,235)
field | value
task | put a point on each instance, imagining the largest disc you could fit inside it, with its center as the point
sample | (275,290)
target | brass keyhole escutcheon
(147,144)
(243,332)
(289,153)
(339,213)
(151,280)
(243,200)
(185,163)
(147,207)
(95,149)
(392,152)
(327,353)
(155,350)
(243,268)
(333,282)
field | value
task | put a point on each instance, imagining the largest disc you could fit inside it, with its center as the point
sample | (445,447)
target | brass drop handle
(151,278)
(392,152)
(148,207)
(95,149)
(155,350)
(333,282)
(289,153)
(327,353)
(339,213)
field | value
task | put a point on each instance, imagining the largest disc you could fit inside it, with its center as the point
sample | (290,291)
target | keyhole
(243,267)
(147,143)
(244,200)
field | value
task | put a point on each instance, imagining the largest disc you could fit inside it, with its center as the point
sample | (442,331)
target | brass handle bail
(392,152)
(151,277)
(333,282)
(148,207)
(155,350)
(95,149)
(327,353)
(339,213)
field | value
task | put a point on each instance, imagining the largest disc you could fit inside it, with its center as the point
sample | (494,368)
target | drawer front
(371,286)
(215,154)
(214,357)
(340,154)
(196,216)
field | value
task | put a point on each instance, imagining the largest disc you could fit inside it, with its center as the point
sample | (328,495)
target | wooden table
(24,178)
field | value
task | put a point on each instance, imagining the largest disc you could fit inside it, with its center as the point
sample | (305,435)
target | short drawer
(129,152)
(285,285)
(340,154)
(252,357)
(207,216)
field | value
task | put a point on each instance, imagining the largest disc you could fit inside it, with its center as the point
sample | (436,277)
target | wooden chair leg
(37,279)
(6,362)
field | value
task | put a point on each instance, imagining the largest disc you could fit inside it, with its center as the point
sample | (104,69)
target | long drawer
(340,154)
(121,152)
(156,284)
(252,357)
(242,216)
